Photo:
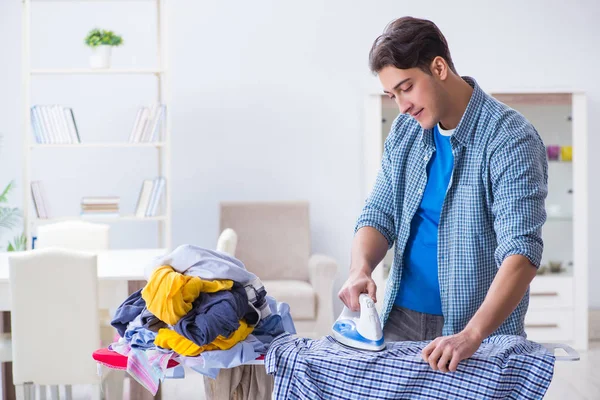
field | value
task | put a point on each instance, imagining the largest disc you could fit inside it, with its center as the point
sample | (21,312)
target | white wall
(268,96)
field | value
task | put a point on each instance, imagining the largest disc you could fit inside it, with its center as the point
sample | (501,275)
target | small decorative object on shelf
(553,152)
(566,153)
(562,153)
(101,42)
(555,266)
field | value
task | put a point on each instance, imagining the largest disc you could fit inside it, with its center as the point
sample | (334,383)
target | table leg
(8,388)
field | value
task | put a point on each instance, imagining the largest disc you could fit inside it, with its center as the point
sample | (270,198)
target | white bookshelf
(125,217)
(90,71)
(107,145)
(163,159)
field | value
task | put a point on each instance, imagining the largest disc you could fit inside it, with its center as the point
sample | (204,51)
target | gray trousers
(404,324)
(244,382)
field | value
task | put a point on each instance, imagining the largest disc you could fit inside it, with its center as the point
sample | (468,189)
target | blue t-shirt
(419,286)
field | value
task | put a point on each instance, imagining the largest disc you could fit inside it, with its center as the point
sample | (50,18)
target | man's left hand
(445,352)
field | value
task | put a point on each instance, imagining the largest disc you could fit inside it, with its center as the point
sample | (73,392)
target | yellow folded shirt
(171,340)
(169,294)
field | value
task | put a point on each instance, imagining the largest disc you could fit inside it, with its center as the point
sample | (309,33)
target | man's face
(415,92)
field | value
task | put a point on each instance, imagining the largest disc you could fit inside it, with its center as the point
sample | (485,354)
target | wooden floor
(579,380)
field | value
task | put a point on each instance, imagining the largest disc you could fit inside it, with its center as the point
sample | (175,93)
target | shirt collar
(468,121)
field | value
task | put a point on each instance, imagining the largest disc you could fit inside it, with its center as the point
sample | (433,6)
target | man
(460,192)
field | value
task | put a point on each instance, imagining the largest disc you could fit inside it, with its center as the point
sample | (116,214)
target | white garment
(206,264)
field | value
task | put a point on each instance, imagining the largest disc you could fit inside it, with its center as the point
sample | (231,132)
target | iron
(360,329)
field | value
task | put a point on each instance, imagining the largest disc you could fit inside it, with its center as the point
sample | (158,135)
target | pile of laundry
(201,308)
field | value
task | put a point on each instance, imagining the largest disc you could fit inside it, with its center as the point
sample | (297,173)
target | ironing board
(113,360)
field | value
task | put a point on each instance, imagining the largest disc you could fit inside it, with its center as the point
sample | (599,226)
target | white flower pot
(100,57)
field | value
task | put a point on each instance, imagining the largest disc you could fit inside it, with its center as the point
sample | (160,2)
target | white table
(115,269)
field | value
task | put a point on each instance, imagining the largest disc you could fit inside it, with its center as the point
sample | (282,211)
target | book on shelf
(54,124)
(148,124)
(109,200)
(100,206)
(150,196)
(39,200)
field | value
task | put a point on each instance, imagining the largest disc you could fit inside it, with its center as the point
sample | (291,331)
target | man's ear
(439,68)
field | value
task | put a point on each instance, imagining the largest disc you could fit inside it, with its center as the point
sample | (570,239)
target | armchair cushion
(300,296)
(274,237)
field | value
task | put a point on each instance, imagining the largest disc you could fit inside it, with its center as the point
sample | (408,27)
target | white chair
(74,235)
(54,317)
(88,236)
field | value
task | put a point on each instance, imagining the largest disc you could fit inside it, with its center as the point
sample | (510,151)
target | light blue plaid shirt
(504,367)
(494,205)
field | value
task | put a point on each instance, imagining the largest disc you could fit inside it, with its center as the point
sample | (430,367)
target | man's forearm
(505,293)
(368,249)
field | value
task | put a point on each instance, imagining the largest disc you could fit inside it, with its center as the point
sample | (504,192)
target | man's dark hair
(408,43)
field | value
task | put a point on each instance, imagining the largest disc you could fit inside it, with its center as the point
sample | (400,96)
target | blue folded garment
(128,311)
(140,338)
(151,322)
(214,314)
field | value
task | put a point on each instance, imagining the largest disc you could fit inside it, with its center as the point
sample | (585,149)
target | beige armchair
(274,243)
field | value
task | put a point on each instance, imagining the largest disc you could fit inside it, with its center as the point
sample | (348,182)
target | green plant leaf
(97,37)
(9,217)
(19,243)
(6,191)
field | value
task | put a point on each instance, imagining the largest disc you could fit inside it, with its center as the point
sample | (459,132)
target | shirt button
(420,191)
(426,158)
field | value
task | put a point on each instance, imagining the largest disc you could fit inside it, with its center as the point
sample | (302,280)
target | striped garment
(147,366)
(494,204)
(504,367)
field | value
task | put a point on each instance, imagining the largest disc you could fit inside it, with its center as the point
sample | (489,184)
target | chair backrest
(54,317)
(75,235)
(273,237)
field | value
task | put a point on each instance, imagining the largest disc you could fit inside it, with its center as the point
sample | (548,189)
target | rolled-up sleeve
(519,177)
(379,209)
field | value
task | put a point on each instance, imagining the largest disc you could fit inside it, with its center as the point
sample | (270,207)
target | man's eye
(392,96)
(408,88)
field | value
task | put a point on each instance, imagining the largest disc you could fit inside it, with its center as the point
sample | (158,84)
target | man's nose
(404,107)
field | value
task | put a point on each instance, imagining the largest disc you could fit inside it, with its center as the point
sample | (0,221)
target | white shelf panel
(559,217)
(91,71)
(90,1)
(96,145)
(99,218)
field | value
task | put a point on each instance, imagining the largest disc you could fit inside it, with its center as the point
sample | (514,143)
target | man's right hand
(358,282)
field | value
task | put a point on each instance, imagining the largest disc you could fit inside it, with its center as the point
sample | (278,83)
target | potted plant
(10,217)
(101,42)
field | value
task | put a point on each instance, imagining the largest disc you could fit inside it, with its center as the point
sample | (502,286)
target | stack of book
(100,206)
(150,197)
(39,200)
(148,124)
(54,124)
